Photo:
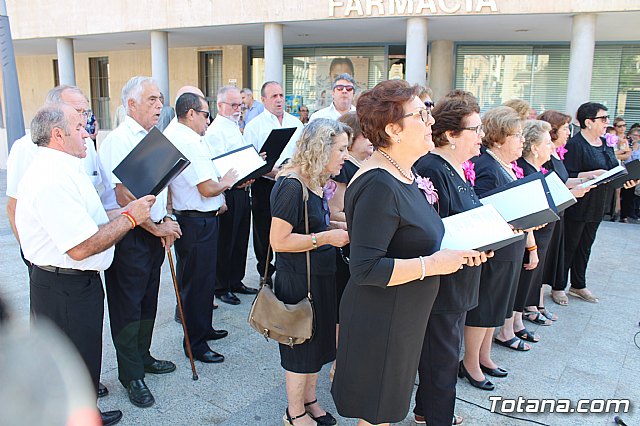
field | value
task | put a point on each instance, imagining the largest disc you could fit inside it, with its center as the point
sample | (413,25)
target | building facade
(554,54)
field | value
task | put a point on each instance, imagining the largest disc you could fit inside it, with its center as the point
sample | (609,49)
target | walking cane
(184,327)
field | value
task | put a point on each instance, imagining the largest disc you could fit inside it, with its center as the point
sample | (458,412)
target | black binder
(254,174)
(276,143)
(547,214)
(151,165)
(633,173)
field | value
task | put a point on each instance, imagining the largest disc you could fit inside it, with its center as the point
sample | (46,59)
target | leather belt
(66,271)
(196,213)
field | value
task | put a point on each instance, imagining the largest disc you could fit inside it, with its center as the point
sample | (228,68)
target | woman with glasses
(457,135)
(502,146)
(554,264)
(304,114)
(395,261)
(588,156)
(320,153)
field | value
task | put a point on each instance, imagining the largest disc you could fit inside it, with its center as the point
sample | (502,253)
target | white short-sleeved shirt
(258,129)
(329,112)
(223,135)
(23,152)
(58,208)
(184,189)
(116,146)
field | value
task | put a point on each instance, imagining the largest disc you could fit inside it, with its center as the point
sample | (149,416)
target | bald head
(189,89)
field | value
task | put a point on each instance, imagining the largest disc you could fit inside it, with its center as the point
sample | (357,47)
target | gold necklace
(397,166)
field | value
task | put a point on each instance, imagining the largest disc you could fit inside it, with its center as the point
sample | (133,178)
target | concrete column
(160,62)
(416,51)
(66,63)
(273,56)
(583,44)
(441,68)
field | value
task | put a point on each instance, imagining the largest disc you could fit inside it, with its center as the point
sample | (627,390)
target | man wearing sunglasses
(224,136)
(343,90)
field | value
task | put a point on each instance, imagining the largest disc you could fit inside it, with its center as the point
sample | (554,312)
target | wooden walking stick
(184,327)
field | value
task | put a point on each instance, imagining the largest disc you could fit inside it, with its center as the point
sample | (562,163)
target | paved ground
(588,353)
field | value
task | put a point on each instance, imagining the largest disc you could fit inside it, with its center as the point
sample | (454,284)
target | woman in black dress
(395,260)
(360,149)
(320,153)
(457,135)
(554,264)
(499,277)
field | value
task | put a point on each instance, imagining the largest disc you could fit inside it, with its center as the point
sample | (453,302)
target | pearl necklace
(502,163)
(354,161)
(397,166)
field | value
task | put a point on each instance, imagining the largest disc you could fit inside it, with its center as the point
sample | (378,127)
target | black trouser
(438,368)
(233,241)
(132,284)
(578,240)
(195,271)
(627,203)
(261,211)
(75,303)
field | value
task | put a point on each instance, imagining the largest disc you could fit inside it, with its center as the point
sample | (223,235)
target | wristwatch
(172,217)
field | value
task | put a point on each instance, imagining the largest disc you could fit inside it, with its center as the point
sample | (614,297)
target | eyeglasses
(424,114)
(604,118)
(429,104)
(477,129)
(207,114)
(621,125)
(86,113)
(518,135)
(342,87)
(234,106)
(304,110)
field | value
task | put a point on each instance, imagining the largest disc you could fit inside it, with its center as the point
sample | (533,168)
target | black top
(556,165)
(287,204)
(581,156)
(459,291)
(491,175)
(346,173)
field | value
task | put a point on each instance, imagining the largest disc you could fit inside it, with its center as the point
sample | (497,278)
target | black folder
(633,173)
(276,143)
(151,165)
(254,174)
(548,213)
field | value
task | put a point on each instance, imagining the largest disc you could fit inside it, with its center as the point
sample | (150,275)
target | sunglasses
(206,113)
(429,104)
(341,87)
(604,118)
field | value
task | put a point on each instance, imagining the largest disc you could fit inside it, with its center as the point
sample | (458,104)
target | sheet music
(478,228)
(520,201)
(606,175)
(244,160)
(559,191)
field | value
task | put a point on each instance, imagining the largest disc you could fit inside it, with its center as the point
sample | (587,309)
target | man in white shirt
(67,235)
(250,106)
(133,279)
(273,117)
(343,90)
(197,201)
(223,135)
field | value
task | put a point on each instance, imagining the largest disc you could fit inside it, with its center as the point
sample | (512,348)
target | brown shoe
(583,294)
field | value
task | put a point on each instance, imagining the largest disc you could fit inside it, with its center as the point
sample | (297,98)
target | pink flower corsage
(517,170)
(612,140)
(329,189)
(426,186)
(543,170)
(469,172)
(561,150)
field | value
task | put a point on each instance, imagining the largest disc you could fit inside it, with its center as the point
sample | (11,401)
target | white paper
(605,175)
(475,228)
(559,191)
(520,201)
(244,161)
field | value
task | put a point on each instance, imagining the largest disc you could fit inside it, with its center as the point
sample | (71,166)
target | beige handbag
(286,324)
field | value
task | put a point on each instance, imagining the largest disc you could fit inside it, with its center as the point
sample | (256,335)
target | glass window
(99,85)
(210,76)
(56,73)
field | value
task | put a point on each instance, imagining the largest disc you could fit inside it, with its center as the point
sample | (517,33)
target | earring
(398,139)
(453,146)
(498,146)
(535,155)
(589,127)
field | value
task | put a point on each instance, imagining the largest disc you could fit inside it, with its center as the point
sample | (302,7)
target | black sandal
(525,334)
(508,344)
(288,420)
(325,420)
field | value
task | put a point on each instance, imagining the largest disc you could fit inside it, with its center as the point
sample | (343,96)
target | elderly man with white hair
(133,280)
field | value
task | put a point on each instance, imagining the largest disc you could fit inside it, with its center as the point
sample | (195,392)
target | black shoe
(217,334)
(229,298)
(102,390)
(139,394)
(243,289)
(494,372)
(159,367)
(176,316)
(484,384)
(110,417)
(209,357)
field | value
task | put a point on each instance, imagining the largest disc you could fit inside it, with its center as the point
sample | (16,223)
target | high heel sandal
(288,420)
(483,384)
(325,420)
